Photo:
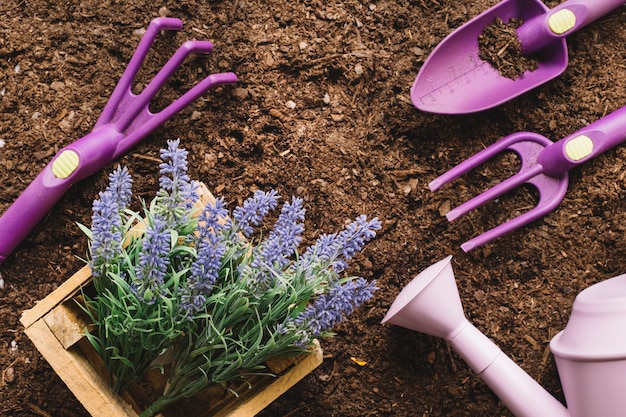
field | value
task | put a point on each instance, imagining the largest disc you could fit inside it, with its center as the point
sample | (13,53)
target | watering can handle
(561,21)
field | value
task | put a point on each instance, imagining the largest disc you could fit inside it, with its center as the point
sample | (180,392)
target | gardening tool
(544,165)
(590,353)
(125,120)
(455,80)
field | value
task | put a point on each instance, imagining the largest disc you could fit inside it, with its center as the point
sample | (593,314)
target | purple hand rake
(125,120)
(544,165)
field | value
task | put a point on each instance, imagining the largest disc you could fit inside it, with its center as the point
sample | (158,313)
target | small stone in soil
(9,375)
(499,45)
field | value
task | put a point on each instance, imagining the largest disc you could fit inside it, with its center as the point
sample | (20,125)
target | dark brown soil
(322,110)
(499,45)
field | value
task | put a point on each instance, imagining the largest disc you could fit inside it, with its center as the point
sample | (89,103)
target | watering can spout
(430,304)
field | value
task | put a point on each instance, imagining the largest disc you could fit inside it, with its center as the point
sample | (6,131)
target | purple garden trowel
(125,120)
(455,80)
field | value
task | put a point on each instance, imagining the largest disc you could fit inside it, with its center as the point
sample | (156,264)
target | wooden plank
(205,196)
(67,323)
(253,394)
(278,386)
(93,391)
(80,377)
(62,293)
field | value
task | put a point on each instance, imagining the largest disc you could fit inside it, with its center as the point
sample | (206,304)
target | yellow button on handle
(562,21)
(65,164)
(578,148)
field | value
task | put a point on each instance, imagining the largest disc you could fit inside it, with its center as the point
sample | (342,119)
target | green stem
(157,406)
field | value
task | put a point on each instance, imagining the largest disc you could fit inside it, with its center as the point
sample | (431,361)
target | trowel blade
(455,80)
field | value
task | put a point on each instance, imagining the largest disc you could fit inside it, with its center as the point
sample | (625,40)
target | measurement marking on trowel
(461,79)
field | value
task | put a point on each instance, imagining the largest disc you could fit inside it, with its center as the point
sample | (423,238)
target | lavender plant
(195,282)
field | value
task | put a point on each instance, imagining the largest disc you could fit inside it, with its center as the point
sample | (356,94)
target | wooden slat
(254,394)
(276,387)
(64,292)
(66,323)
(80,377)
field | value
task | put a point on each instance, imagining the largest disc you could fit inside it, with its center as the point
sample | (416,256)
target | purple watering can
(590,353)
(125,120)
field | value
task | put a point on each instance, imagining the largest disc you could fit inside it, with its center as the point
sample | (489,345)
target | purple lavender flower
(354,237)
(285,237)
(331,308)
(177,191)
(205,269)
(106,241)
(153,261)
(272,255)
(120,184)
(254,210)
(209,225)
(204,273)
(337,249)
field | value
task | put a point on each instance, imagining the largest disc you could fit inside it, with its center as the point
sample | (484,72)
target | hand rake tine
(548,201)
(504,228)
(123,87)
(125,120)
(494,192)
(155,120)
(140,103)
(473,161)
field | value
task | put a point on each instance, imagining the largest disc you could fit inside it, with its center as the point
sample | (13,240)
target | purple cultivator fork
(544,165)
(125,120)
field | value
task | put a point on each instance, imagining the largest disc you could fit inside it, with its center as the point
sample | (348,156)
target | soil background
(322,111)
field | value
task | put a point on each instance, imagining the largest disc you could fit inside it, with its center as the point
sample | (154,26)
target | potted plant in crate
(202,297)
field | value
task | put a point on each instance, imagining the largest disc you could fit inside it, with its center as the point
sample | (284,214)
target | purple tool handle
(94,150)
(586,143)
(536,33)
(125,120)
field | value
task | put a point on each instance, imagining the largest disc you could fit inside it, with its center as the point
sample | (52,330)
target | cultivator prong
(125,83)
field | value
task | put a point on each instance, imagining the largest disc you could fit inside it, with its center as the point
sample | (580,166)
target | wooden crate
(56,327)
